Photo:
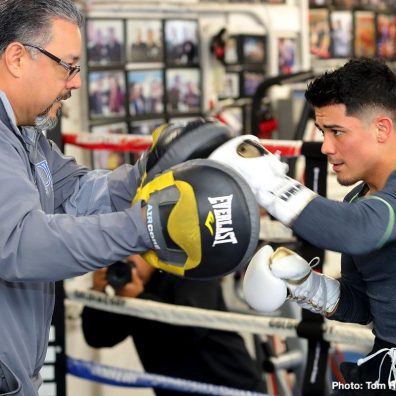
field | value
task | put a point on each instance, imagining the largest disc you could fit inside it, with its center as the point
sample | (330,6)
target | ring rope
(131,378)
(228,321)
(136,143)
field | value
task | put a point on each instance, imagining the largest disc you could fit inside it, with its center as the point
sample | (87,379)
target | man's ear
(384,129)
(14,57)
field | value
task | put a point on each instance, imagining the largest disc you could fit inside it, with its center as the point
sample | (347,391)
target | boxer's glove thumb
(282,197)
(262,290)
(310,289)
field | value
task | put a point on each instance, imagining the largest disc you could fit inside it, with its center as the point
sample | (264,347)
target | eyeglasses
(72,70)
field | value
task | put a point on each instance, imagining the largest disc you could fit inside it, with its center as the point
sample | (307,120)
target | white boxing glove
(282,197)
(262,290)
(311,290)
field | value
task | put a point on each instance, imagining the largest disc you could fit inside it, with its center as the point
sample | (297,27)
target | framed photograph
(364,34)
(250,81)
(287,55)
(107,159)
(106,93)
(375,5)
(341,23)
(183,90)
(144,40)
(230,86)
(145,127)
(253,49)
(231,51)
(105,42)
(386,36)
(145,92)
(319,33)
(346,4)
(181,42)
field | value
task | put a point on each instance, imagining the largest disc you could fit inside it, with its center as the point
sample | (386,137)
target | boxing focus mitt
(176,143)
(310,289)
(282,197)
(202,219)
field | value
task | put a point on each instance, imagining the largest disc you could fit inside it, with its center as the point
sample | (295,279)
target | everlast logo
(223,219)
(150,226)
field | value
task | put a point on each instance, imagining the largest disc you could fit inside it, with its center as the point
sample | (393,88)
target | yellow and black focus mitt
(176,143)
(202,218)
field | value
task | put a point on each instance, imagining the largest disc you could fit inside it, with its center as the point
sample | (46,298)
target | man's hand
(130,289)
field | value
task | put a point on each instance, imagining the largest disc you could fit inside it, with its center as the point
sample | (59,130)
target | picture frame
(144,40)
(145,92)
(346,4)
(250,80)
(231,86)
(183,90)
(105,42)
(106,94)
(319,33)
(386,36)
(232,51)
(341,25)
(108,159)
(288,56)
(181,42)
(375,5)
(253,49)
(364,44)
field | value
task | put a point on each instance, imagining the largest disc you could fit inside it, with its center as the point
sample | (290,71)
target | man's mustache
(63,97)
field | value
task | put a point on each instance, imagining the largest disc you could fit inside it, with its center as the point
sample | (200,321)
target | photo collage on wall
(141,73)
(352,28)
(245,58)
(245,61)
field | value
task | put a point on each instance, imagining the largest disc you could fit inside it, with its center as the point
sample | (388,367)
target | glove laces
(306,293)
(391,352)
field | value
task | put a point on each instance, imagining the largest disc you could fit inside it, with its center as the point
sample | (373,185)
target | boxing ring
(320,332)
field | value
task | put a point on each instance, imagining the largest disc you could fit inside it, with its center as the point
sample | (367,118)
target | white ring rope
(188,316)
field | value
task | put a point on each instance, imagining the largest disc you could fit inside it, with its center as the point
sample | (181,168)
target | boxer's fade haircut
(361,84)
(30,21)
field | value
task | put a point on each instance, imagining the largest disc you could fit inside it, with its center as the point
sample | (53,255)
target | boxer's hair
(361,84)
(30,21)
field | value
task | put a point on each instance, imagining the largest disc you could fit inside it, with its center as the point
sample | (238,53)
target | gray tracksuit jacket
(57,220)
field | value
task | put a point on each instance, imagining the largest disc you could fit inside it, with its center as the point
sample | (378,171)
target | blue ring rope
(130,378)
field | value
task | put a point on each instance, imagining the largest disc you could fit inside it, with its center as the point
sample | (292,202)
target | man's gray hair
(30,21)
